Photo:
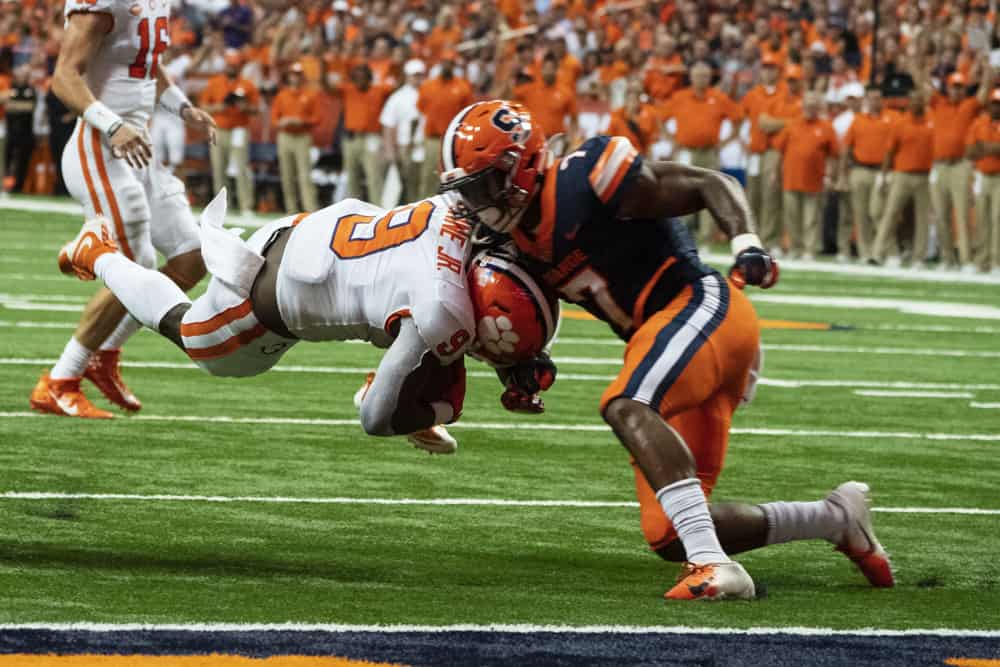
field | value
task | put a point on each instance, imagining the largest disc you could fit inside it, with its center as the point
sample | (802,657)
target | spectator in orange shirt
(911,155)
(568,68)
(664,71)
(294,113)
(698,112)
(807,145)
(782,110)
(439,100)
(4,96)
(983,146)
(232,100)
(636,121)
(754,103)
(953,115)
(552,106)
(362,142)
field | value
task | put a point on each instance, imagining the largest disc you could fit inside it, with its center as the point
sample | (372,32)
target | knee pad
(134,206)
(175,230)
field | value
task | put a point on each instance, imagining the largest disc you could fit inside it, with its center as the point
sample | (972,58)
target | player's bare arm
(173,99)
(81,42)
(669,189)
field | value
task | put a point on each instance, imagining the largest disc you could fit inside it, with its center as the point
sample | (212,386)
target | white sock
(72,362)
(787,522)
(128,326)
(686,506)
(146,293)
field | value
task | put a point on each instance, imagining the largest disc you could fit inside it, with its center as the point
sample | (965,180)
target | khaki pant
(771,196)
(295,165)
(904,187)
(988,221)
(429,177)
(225,153)
(864,211)
(845,221)
(950,191)
(363,164)
(410,173)
(755,185)
(801,213)
(702,224)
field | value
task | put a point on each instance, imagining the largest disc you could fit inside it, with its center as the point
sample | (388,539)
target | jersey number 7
(160,39)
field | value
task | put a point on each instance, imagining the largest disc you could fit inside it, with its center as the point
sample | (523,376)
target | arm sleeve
(402,358)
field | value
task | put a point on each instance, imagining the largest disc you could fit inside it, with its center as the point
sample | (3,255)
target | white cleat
(858,541)
(434,440)
(713,581)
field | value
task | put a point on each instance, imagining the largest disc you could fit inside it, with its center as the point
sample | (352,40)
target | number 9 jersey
(122,74)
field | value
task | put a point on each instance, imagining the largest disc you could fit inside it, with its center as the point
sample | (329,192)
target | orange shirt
(985,129)
(787,107)
(913,139)
(442,38)
(549,105)
(755,102)
(4,86)
(218,88)
(869,136)
(951,125)
(805,146)
(298,103)
(616,70)
(568,72)
(643,131)
(699,119)
(659,84)
(440,100)
(362,107)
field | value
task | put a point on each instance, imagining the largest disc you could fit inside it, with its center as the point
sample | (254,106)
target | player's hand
(516,401)
(201,119)
(131,144)
(529,377)
(753,266)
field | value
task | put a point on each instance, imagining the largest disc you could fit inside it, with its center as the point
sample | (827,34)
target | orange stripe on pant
(700,403)
(218,321)
(110,195)
(229,345)
(85,168)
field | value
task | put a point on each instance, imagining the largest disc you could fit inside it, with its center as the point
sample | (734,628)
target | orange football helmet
(493,156)
(516,316)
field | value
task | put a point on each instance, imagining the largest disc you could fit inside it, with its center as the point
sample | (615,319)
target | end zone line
(436,502)
(504,628)
(536,426)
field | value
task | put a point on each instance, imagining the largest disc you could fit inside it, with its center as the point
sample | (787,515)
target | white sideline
(449,502)
(523,628)
(985,406)
(878,393)
(782,383)
(544,426)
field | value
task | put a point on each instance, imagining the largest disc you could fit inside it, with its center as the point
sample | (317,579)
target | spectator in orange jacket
(983,146)
(294,113)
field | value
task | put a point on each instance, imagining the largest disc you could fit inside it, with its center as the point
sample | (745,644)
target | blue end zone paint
(504,648)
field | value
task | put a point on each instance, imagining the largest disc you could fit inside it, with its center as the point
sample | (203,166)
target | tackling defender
(350,271)
(598,226)
(108,72)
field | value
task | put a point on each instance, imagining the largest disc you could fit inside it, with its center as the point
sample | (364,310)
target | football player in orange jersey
(598,226)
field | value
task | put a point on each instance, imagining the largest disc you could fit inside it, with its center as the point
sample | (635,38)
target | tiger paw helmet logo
(497,335)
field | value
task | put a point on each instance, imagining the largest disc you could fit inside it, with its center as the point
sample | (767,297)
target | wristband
(104,119)
(443,412)
(741,242)
(174,100)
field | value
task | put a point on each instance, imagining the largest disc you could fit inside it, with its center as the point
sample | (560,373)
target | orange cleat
(434,440)
(63,397)
(105,372)
(712,581)
(78,256)
(858,541)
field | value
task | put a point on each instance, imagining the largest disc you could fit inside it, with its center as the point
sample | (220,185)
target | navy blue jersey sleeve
(608,165)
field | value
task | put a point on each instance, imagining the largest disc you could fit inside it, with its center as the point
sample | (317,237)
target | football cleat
(63,397)
(713,581)
(105,372)
(78,256)
(434,440)
(858,541)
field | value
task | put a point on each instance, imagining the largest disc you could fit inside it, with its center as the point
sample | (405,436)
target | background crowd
(870,134)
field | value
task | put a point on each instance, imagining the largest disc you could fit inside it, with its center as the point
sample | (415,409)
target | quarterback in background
(108,73)
(599,226)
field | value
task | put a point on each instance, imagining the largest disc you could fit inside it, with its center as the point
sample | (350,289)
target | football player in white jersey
(108,72)
(351,271)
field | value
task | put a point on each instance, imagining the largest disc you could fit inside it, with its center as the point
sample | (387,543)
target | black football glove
(753,266)
(524,381)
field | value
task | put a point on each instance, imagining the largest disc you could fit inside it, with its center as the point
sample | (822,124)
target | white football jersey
(123,74)
(352,268)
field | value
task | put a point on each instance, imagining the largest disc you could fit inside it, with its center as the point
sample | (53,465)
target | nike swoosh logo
(86,243)
(66,406)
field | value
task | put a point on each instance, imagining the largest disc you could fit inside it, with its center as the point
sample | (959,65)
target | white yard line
(435,502)
(984,406)
(798,631)
(547,426)
(905,306)
(880,393)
